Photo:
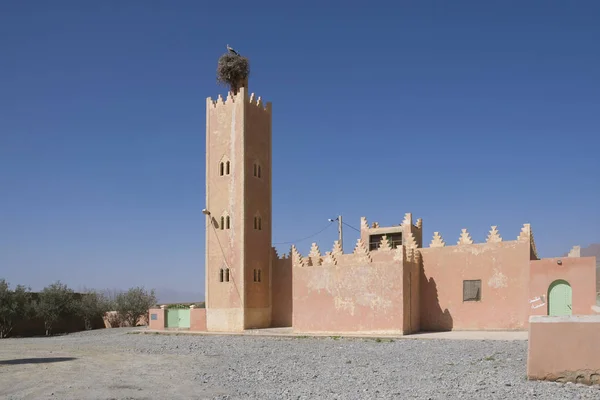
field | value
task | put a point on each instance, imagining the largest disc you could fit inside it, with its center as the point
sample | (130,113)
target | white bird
(231,50)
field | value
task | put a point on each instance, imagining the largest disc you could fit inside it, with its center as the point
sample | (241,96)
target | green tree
(15,306)
(54,302)
(134,303)
(91,306)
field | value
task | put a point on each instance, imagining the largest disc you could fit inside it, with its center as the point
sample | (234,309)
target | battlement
(525,235)
(242,95)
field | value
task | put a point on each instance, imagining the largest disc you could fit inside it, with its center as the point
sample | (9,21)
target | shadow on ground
(42,360)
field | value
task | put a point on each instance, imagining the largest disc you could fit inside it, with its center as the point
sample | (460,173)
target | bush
(15,306)
(54,302)
(93,305)
(134,304)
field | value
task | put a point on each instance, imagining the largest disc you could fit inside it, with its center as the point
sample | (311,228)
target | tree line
(57,301)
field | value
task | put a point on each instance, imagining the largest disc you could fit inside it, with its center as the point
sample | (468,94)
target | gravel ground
(119,364)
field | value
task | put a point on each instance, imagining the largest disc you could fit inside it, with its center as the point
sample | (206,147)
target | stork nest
(232,70)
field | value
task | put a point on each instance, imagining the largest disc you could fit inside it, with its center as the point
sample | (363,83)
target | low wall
(157,318)
(198,319)
(281,286)
(564,349)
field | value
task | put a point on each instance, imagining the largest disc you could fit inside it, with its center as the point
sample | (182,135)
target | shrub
(93,305)
(15,306)
(54,302)
(134,303)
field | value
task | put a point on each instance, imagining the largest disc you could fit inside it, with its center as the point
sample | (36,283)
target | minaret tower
(238,204)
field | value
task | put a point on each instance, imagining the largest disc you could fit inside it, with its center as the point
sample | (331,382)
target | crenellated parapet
(525,235)
(242,95)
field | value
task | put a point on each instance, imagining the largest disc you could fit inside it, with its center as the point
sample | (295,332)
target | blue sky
(465,113)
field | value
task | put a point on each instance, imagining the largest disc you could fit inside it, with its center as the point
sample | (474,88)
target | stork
(231,50)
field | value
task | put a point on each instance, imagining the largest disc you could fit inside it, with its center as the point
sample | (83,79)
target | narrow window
(255,276)
(255,223)
(227,168)
(259,223)
(221,275)
(222,223)
(259,171)
(226,274)
(472,290)
(255,170)
(227,222)
(221,169)
(259,275)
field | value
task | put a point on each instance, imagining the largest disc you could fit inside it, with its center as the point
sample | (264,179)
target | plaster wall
(282,301)
(579,272)
(159,322)
(503,269)
(355,293)
(564,349)
(198,319)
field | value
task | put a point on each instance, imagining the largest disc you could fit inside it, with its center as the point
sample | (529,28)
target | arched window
(222,226)
(255,169)
(259,223)
(221,275)
(259,275)
(221,169)
(226,274)
(255,222)
(227,222)
(259,174)
(255,275)
(227,167)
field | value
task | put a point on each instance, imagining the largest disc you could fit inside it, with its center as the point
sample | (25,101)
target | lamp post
(340,235)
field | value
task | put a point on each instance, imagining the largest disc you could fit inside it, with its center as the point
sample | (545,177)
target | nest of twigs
(232,70)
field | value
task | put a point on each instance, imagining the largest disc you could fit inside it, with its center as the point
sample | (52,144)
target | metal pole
(340,238)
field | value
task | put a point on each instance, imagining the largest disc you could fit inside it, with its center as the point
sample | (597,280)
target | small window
(227,222)
(255,276)
(221,275)
(255,222)
(221,169)
(227,164)
(258,276)
(259,174)
(259,223)
(255,170)
(226,274)
(472,290)
(222,226)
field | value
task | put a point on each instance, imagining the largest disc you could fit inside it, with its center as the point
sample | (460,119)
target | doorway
(560,298)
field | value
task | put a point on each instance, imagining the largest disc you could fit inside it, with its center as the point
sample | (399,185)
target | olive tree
(55,302)
(134,303)
(91,306)
(15,306)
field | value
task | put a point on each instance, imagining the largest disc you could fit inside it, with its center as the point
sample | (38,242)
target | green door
(178,318)
(173,318)
(560,298)
(184,318)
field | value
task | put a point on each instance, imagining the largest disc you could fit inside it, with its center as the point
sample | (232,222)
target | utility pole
(340,237)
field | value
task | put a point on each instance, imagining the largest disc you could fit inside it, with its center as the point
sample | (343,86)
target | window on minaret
(227,222)
(259,275)
(222,169)
(255,275)
(221,275)
(258,223)
(255,169)
(222,226)
(226,274)
(227,165)
(259,174)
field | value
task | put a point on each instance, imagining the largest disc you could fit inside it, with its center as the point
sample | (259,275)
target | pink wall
(503,269)
(198,319)
(564,349)
(282,292)
(159,322)
(359,293)
(580,273)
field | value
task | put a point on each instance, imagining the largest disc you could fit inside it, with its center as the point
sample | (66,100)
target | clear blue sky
(465,113)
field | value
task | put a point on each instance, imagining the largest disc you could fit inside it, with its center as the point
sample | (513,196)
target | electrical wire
(357,230)
(307,237)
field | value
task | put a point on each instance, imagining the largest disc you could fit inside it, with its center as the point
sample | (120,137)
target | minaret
(238,208)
